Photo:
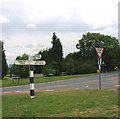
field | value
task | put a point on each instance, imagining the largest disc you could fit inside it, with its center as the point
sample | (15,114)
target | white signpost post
(99,51)
(33,60)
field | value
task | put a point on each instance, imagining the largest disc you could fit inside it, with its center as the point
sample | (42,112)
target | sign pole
(99,75)
(10,73)
(31,75)
(99,51)
(33,60)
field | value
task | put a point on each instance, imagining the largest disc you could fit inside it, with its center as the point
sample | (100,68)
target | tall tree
(57,54)
(91,40)
(4,62)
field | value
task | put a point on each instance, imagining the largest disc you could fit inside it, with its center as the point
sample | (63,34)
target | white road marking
(117,85)
(18,91)
(49,90)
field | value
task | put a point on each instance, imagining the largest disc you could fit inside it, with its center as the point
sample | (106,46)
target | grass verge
(66,103)
(25,81)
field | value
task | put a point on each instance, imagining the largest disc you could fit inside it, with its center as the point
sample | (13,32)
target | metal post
(11,76)
(10,73)
(31,73)
(99,75)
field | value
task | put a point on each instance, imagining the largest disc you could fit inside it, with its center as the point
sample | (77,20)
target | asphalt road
(108,80)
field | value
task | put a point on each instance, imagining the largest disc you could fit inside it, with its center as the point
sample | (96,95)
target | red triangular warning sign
(99,51)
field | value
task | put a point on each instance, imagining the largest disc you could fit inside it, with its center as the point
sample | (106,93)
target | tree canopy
(83,61)
(110,44)
(57,53)
(21,70)
(53,56)
(91,40)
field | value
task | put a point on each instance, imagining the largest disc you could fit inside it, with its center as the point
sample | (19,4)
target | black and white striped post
(31,76)
(33,60)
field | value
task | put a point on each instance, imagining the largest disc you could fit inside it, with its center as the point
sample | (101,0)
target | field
(25,81)
(65,103)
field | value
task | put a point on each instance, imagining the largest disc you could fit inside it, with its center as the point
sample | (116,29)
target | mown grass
(25,81)
(67,103)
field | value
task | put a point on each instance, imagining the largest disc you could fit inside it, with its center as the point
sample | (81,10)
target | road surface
(108,80)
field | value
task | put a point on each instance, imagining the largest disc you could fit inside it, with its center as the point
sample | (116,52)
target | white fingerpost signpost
(99,51)
(33,60)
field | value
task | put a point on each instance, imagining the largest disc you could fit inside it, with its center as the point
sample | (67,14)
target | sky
(27,26)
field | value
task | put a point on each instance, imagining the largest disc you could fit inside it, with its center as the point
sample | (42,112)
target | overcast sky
(28,25)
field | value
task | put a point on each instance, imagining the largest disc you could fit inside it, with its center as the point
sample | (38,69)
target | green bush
(48,70)
(69,67)
(87,68)
(21,70)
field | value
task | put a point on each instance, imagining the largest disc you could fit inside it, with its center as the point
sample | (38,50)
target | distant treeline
(81,62)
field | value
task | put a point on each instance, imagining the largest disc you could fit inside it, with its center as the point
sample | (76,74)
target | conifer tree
(4,62)
(57,54)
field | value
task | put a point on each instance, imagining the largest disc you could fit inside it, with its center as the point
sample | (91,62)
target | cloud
(39,45)
(29,46)
(31,25)
(39,11)
(4,20)
(99,14)
(28,24)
